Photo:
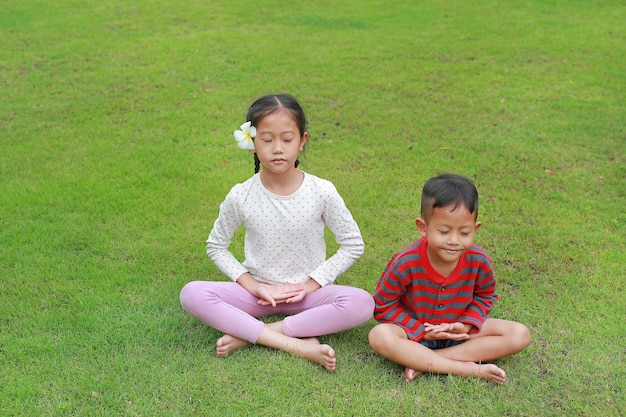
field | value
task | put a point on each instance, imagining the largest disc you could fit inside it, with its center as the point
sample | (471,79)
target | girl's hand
(290,293)
(450,331)
(276,294)
(308,287)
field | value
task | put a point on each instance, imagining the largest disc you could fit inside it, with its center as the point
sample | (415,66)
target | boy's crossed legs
(496,339)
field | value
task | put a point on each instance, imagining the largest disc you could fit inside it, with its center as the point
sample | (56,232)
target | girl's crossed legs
(228,307)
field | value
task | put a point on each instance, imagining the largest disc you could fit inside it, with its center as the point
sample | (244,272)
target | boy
(434,297)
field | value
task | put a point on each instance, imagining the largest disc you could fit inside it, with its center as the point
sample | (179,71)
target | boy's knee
(374,337)
(520,335)
(380,338)
(524,335)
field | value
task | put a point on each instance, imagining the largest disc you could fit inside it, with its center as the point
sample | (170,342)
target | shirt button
(443,289)
(440,306)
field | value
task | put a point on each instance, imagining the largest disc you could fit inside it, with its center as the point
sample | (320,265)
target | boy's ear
(477,225)
(421,226)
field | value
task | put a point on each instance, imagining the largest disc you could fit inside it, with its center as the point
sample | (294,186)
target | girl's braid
(257,163)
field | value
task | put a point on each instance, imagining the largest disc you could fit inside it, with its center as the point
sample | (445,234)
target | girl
(285,271)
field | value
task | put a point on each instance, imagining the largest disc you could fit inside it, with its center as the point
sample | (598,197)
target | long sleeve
(284,240)
(410,292)
(484,289)
(394,291)
(229,220)
(347,235)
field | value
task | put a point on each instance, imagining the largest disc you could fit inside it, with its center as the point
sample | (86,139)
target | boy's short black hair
(449,190)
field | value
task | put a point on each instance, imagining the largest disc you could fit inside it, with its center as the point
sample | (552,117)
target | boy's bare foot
(321,354)
(227,344)
(491,372)
(410,374)
(488,372)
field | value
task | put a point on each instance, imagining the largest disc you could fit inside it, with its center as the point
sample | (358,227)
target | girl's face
(278,142)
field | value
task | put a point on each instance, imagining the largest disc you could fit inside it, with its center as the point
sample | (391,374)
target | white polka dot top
(284,241)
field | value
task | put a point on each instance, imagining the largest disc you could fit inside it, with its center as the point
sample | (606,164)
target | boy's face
(450,234)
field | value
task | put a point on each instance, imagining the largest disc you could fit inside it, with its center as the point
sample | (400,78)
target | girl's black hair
(449,190)
(271,103)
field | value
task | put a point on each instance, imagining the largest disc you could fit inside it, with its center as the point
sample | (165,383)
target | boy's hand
(450,331)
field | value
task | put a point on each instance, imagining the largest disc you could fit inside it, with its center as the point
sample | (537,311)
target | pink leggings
(231,309)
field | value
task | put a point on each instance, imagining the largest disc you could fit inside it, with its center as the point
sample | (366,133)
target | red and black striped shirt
(410,292)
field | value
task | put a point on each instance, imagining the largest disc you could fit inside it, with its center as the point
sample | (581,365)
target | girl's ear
(303,140)
(421,226)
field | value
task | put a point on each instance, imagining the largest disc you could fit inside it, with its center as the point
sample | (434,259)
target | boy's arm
(484,296)
(390,290)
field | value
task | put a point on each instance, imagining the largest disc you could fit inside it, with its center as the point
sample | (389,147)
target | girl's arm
(310,286)
(347,234)
(230,218)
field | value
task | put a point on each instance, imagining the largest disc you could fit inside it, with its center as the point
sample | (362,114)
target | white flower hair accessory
(245,135)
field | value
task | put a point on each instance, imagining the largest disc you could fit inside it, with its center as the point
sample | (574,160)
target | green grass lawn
(116,150)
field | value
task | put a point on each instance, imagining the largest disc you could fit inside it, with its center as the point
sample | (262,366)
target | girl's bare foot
(410,374)
(491,372)
(321,354)
(227,344)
